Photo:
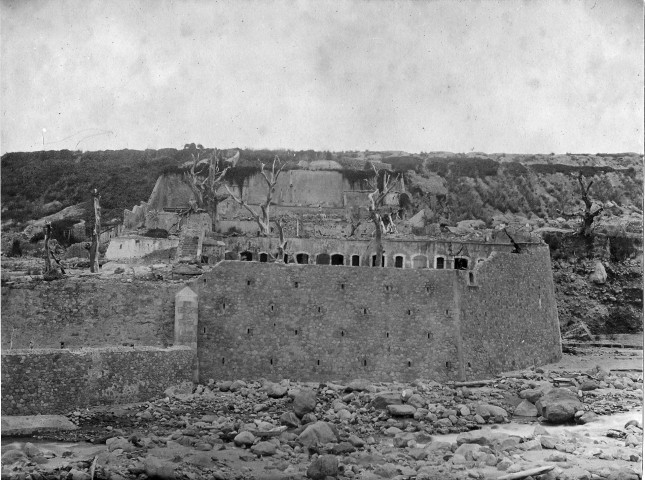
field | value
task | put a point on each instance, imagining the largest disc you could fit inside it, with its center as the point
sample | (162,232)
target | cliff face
(170,191)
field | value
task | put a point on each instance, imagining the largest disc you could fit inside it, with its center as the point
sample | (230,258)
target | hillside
(478,186)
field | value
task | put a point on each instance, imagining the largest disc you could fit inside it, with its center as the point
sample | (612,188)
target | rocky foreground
(532,424)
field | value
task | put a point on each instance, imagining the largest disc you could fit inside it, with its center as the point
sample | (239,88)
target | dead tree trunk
(48,260)
(377,199)
(588,216)
(96,233)
(282,242)
(263,219)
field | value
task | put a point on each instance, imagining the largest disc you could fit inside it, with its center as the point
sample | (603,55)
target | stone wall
(417,253)
(314,322)
(509,316)
(131,248)
(88,312)
(52,381)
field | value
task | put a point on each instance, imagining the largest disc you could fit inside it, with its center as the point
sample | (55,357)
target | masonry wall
(314,322)
(126,248)
(320,322)
(422,249)
(86,311)
(509,316)
(59,381)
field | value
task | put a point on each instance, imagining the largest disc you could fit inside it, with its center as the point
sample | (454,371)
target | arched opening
(322,259)
(461,263)
(264,257)
(420,261)
(356,261)
(246,256)
(231,256)
(440,263)
(302,258)
(337,259)
(286,258)
(374,261)
(398,261)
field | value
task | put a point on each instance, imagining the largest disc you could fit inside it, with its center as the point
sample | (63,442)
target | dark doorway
(440,263)
(322,259)
(264,257)
(337,259)
(246,256)
(398,261)
(374,261)
(302,258)
(461,264)
(356,261)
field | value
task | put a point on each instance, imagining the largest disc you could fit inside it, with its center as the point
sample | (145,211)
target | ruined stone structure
(314,322)
(299,321)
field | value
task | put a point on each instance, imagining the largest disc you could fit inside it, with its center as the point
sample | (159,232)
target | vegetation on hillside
(479,186)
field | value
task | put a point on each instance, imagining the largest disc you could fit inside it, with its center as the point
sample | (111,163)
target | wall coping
(86,350)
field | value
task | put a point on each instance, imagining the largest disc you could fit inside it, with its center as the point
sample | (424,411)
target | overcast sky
(508,76)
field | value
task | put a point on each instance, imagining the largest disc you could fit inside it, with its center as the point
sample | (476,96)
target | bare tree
(96,233)
(282,242)
(205,178)
(51,272)
(382,220)
(588,215)
(263,218)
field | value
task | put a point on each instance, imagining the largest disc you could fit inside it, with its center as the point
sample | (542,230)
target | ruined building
(444,306)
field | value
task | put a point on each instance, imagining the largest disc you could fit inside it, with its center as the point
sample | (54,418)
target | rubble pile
(424,430)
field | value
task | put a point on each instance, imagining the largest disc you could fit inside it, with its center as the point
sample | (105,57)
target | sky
(541,76)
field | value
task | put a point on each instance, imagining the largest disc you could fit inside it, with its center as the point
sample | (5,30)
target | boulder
(343,448)
(264,449)
(244,439)
(487,411)
(290,420)
(383,399)
(323,467)
(13,456)
(318,433)
(115,443)
(304,402)
(275,390)
(559,405)
(360,385)
(526,409)
(401,410)
(417,401)
(599,275)
(159,469)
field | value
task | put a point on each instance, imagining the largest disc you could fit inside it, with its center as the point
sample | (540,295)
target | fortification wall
(314,322)
(509,316)
(87,312)
(58,381)
(320,322)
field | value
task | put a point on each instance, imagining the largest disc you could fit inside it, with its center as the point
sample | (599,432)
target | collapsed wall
(312,322)
(55,381)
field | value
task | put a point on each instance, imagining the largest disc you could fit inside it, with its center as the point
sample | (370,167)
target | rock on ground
(559,405)
(304,402)
(322,467)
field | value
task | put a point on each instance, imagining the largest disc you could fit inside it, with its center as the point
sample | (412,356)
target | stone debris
(260,429)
